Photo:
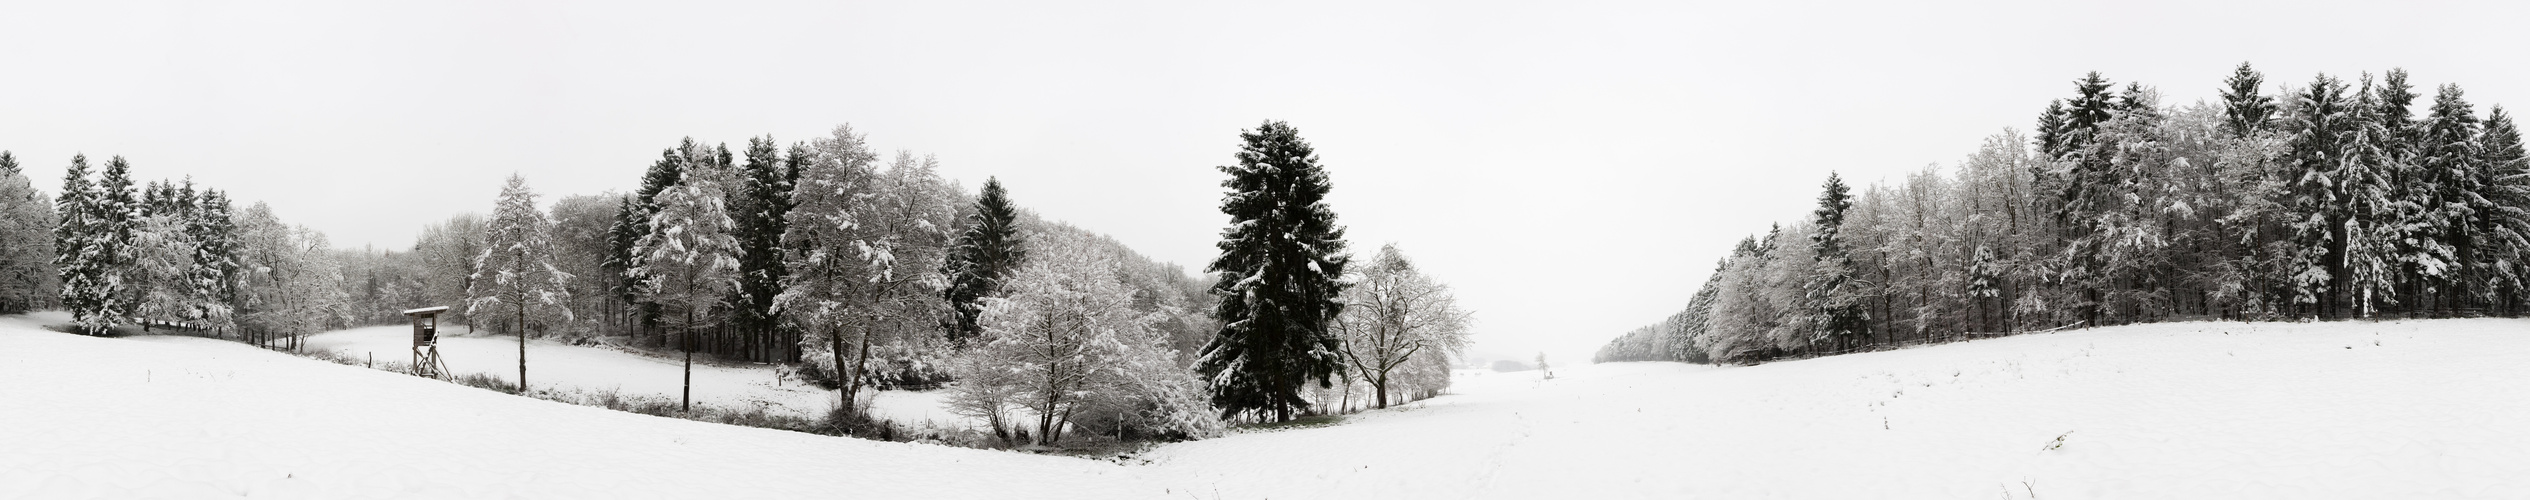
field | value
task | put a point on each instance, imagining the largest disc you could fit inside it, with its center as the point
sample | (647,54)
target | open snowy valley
(2411,409)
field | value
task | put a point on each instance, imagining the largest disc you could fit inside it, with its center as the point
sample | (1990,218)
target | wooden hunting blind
(426,342)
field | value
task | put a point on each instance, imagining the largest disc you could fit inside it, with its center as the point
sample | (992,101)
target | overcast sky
(1574,169)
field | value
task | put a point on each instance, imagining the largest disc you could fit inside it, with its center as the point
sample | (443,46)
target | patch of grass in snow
(1305,422)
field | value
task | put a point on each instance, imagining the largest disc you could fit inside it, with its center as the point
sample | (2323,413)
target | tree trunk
(689,358)
(1379,386)
(522,347)
(835,339)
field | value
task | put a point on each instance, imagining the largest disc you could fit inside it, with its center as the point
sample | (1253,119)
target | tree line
(858,271)
(168,254)
(2319,201)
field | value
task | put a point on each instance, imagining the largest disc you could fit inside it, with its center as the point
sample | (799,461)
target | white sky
(1574,169)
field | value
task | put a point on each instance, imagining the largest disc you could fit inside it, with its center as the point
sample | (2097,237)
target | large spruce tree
(2245,110)
(987,252)
(1280,267)
(2507,229)
(1840,316)
(760,205)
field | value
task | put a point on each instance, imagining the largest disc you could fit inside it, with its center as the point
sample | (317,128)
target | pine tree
(515,273)
(1838,315)
(2506,225)
(760,207)
(2382,216)
(2455,198)
(28,279)
(214,261)
(82,273)
(92,241)
(2245,111)
(1280,267)
(620,260)
(2086,185)
(986,253)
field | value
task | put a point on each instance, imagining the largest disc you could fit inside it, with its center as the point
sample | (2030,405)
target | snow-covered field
(553,365)
(181,417)
(2425,409)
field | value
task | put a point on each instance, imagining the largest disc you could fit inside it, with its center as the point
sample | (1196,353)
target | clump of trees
(2326,200)
(171,255)
(860,272)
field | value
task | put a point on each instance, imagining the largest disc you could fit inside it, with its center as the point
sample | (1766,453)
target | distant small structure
(426,361)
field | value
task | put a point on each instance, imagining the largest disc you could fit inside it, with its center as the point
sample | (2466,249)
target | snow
(2184,410)
(553,365)
(181,417)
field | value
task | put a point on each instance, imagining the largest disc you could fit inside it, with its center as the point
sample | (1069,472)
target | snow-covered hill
(179,417)
(2425,409)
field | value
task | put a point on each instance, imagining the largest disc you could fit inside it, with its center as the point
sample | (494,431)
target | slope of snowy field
(2424,409)
(180,417)
(2421,409)
(553,365)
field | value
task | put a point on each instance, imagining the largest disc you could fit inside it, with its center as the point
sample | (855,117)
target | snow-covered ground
(553,365)
(2424,409)
(181,417)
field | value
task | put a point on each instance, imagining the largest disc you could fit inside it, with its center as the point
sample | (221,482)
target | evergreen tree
(213,275)
(91,241)
(2456,199)
(760,208)
(986,253)
(2382,216)
(2506,225)
(620,260)
(2051,127)
(2319,122)
(1280,268)
(82,272)
(515,273)
(1838,315)
(2245,110)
